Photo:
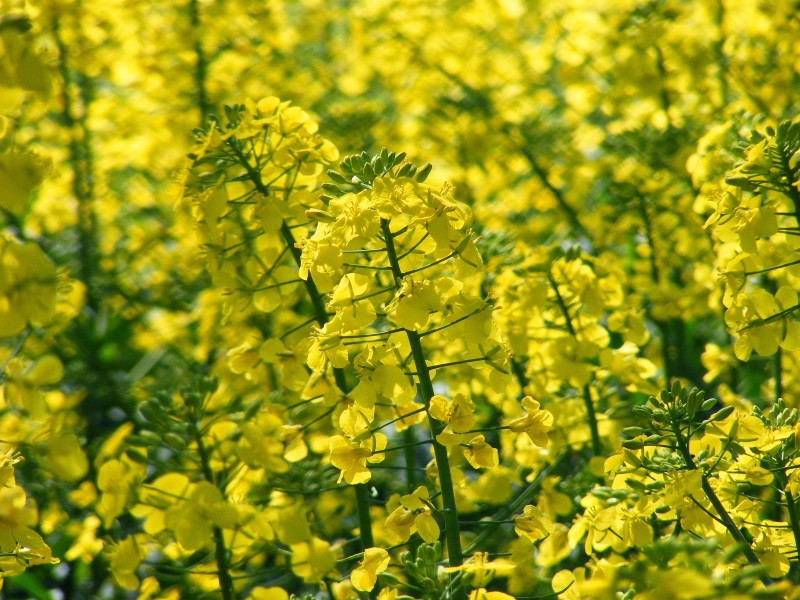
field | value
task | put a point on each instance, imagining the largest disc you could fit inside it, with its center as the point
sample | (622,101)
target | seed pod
(336,176)
(423,173)
(721,414)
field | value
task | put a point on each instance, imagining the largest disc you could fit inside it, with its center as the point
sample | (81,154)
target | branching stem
(452,532)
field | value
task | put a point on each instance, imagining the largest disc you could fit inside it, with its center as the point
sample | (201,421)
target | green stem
(220,551)
(719,51)
(724,517)
(452,531)
(558,195)
(404,446)
(509,509)
(98,383)
(80,161)
(591,416)
(408,455)
(794,521)
(321,316)
(201,63)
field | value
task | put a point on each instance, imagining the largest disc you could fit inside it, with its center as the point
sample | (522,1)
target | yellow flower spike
(480,454)
(365,575)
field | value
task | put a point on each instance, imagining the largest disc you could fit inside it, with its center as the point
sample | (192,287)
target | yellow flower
(312,560)
(86,544)
(193,519)
(27,285)
(19,543)
(365,575)
(427,527)
(479,570)
(482,594)
(20,174)
(270,593)
(351,457)
(115,480)
(414,514)
(400,523)
(532,524)
(480,454)
(535,423)
(260,444)
(458,413)
(125,558)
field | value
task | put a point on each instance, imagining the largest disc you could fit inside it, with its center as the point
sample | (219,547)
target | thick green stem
(364,520)
(452,530)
